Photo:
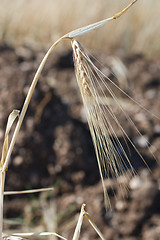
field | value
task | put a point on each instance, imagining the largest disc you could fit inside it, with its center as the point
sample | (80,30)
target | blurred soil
(54,148)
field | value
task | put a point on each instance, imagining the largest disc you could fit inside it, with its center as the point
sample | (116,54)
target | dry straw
(92,84)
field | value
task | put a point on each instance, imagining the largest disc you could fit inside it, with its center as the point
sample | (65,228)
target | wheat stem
(27,101)
(94,226)
(2,180)
(28,191)
(38,234)
(79,223)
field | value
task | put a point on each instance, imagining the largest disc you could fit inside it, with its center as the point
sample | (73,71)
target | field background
(54,147)
(41,23)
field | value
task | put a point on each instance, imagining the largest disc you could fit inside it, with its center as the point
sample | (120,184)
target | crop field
(41,23)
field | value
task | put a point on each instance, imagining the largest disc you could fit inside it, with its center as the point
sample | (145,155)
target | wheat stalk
(85,90)
(70,35)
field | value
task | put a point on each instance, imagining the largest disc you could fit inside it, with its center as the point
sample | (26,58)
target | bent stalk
(27,101)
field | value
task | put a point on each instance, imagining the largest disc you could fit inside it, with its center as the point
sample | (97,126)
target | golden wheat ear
(95,91)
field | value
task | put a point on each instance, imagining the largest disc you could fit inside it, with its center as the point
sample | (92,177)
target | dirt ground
(54,148)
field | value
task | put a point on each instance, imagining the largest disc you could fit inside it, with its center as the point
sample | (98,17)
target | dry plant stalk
(14,114)
(77,231)
(104,147)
